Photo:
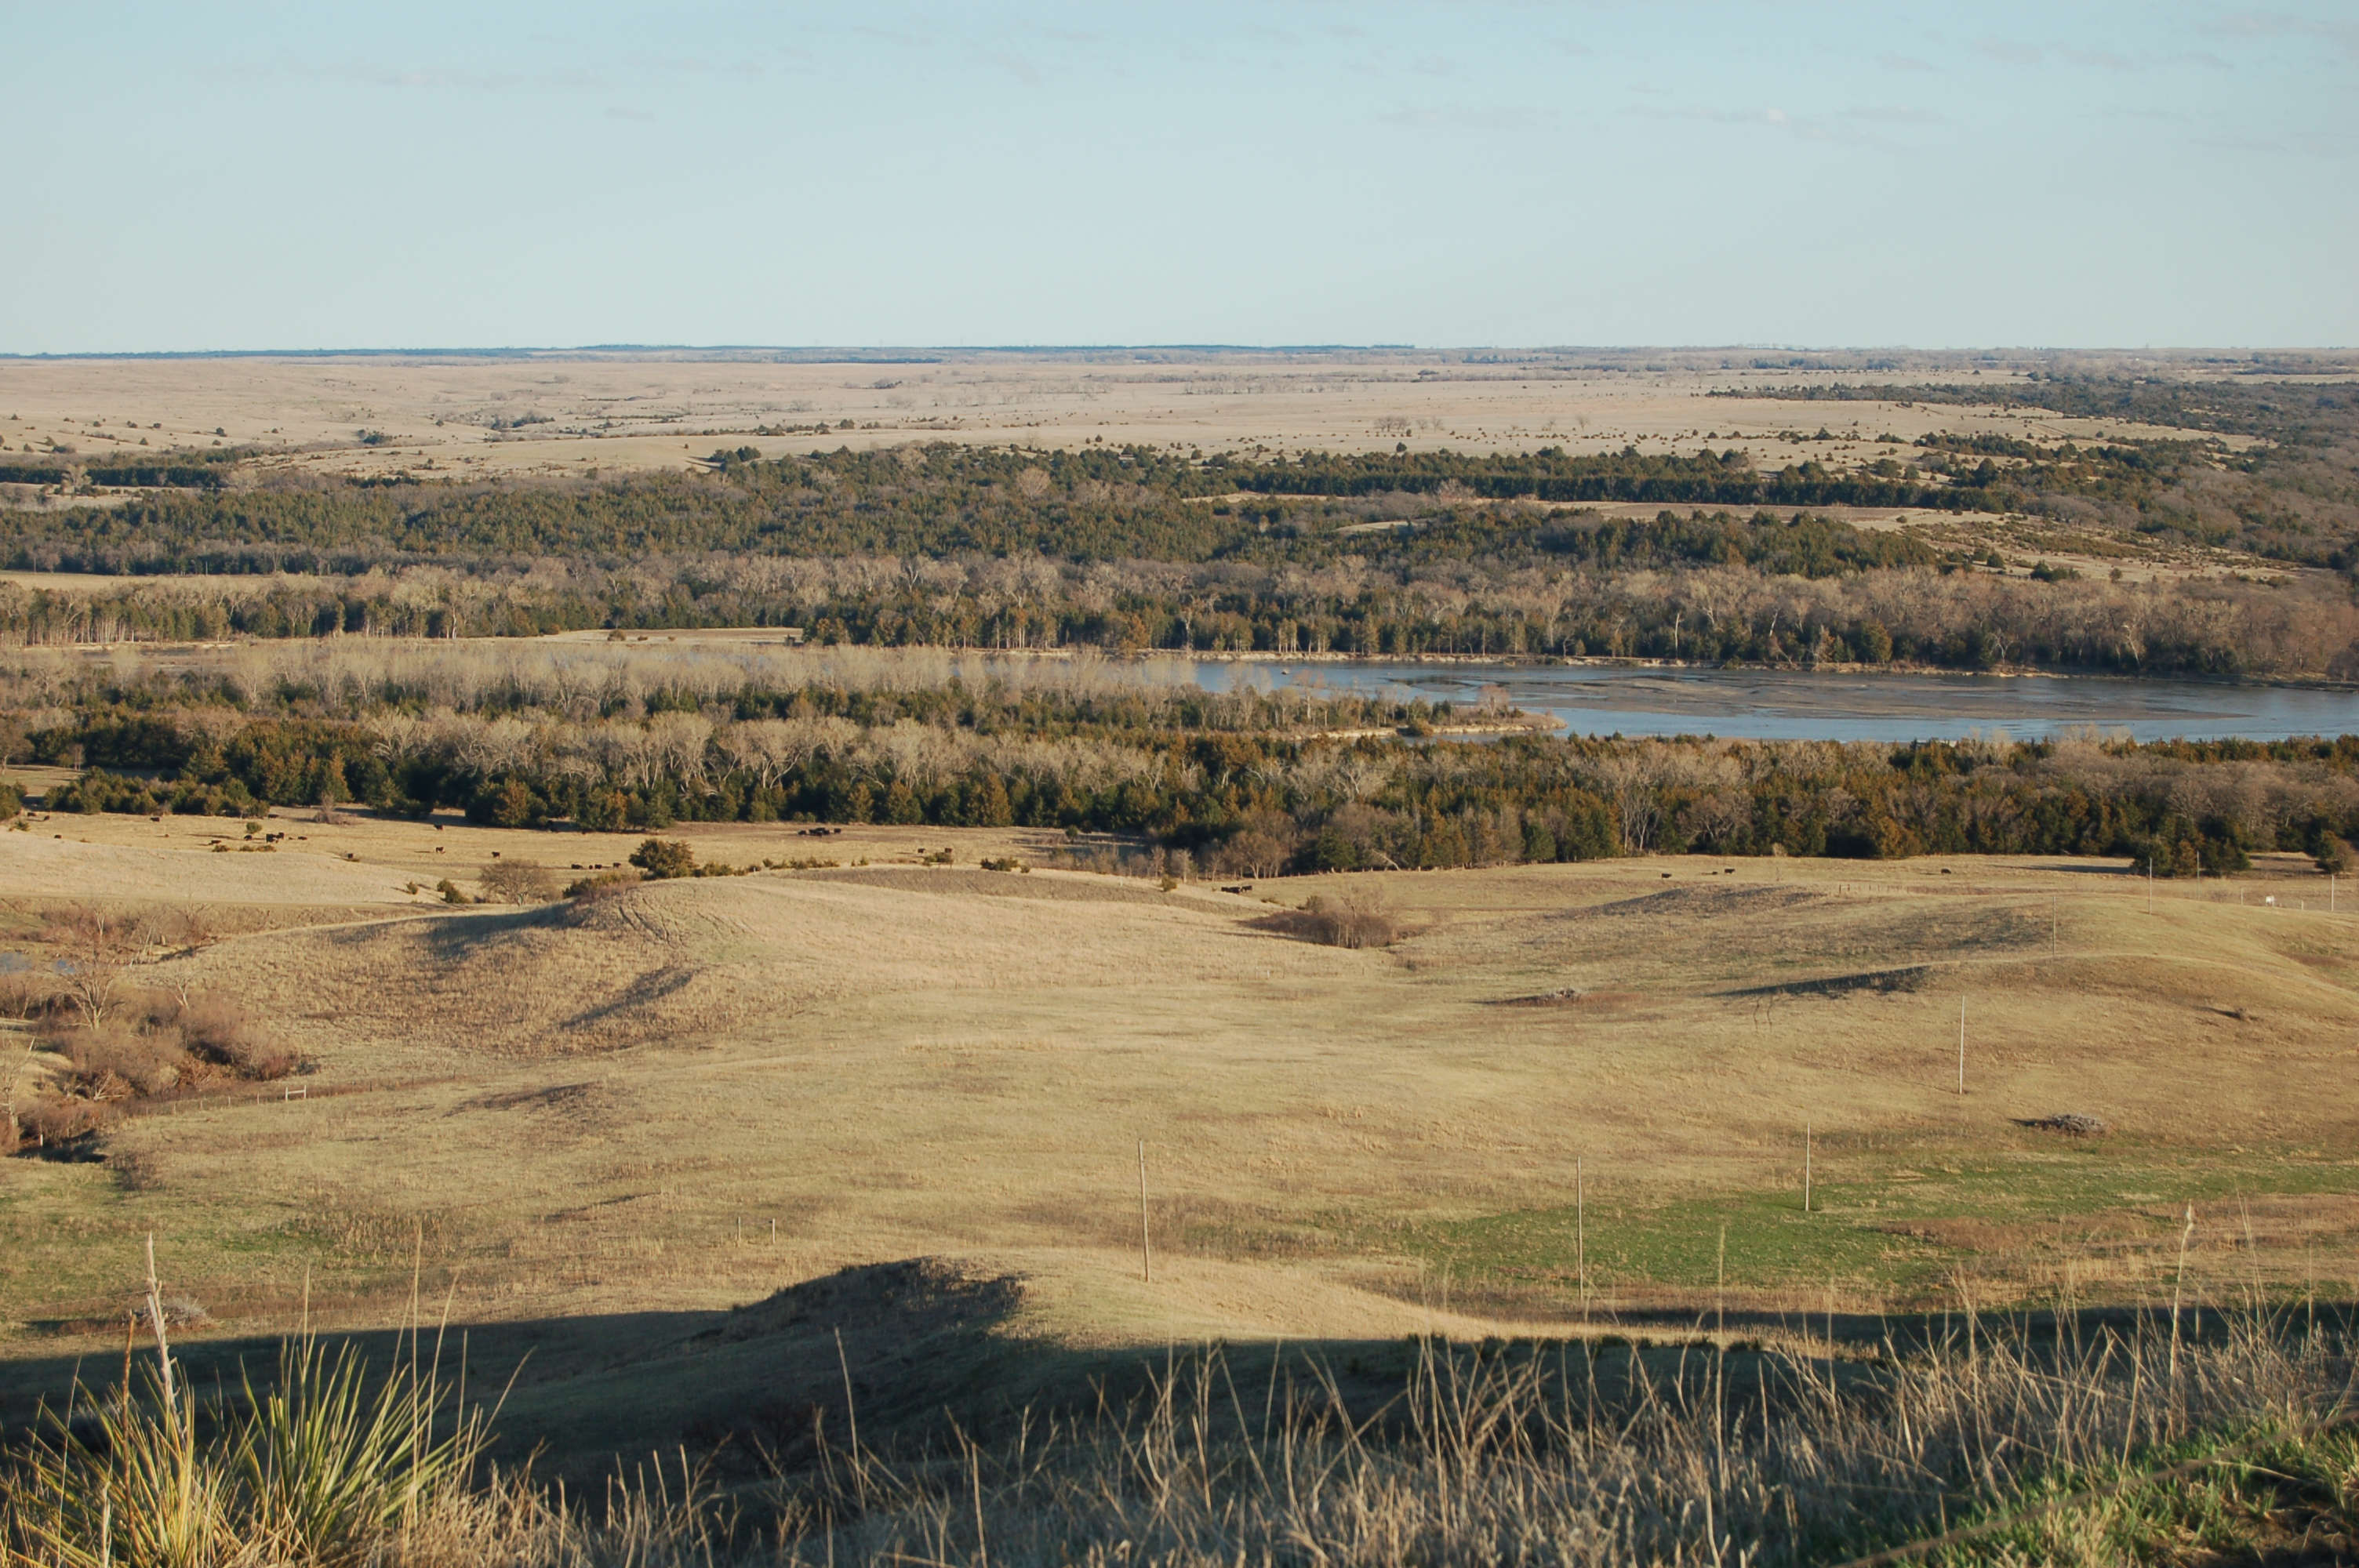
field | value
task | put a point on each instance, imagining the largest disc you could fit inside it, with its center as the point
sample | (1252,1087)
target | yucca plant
(146,1492)
(328,1469)
(318,1467)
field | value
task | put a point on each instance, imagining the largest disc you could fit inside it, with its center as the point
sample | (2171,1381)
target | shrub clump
(157,1046)
(218,1030)
(665,858)
(605,885)
(113,1062)
(1354,920)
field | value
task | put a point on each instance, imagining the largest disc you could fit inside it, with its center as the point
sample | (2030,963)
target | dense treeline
(1241,782)
(2293,495)
(1138,549)
(1142,503)
(2282,410)
(1783,592)
(1550,474)
(183,475)
(1135,502)
(202,468)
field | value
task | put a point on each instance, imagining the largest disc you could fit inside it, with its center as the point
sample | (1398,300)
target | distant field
(568,413)
(585,1117)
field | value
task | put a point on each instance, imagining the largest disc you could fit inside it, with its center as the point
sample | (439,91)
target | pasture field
(1571,1099)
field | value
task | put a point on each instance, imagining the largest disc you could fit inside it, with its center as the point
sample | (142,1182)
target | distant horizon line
(818,353)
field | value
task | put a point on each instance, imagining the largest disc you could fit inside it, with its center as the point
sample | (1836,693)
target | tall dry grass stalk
(1518,1456)
(1489,1454)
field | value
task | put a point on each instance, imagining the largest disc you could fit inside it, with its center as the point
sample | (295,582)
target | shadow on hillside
(451,934)
(919,1350)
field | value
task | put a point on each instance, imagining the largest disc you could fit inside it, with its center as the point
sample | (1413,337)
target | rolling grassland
(826,1185)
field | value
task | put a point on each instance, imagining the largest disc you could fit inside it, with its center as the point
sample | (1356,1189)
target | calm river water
(1794,706)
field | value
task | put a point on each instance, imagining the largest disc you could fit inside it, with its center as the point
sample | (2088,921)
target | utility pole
(1806,1167)
(1962,1047)
(1145,1256)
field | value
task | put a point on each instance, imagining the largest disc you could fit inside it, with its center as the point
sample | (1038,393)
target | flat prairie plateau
(1570,1096)
(559,413)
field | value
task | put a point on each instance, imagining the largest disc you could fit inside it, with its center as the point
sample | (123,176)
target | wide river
(1795,706)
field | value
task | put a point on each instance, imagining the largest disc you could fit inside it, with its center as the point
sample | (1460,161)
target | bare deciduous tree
(1629,784)
(518,882)
(95,946)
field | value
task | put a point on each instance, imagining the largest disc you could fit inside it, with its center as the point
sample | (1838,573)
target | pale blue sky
(187,176)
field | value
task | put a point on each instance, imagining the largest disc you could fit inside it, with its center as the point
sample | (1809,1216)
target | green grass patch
(2289,1498)
(2096,1176)
(1859,1232)
(73,1235)
(1746,1241)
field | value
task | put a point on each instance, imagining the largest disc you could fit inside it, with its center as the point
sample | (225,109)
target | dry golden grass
(611,412)
(602,1110)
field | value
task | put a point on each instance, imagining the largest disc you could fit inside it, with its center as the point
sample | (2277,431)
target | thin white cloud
(1894,114)
(2343,36)
(1017,65)
(2006,51)
(907,41)
(424,77)
(1775,119)
(1903,62)
(1457,117)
